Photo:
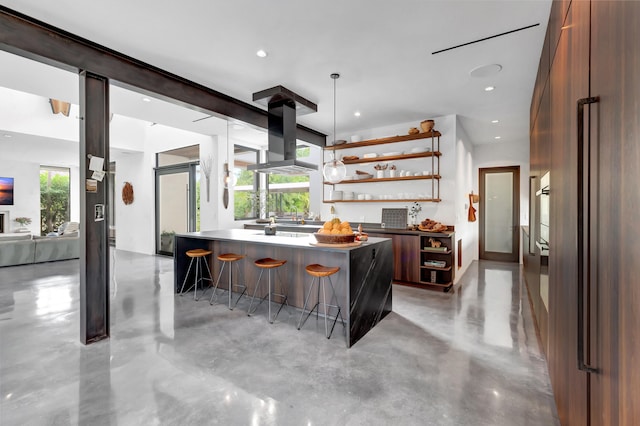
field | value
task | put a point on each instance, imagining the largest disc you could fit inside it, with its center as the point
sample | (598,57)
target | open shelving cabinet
(441,276)
(434,154)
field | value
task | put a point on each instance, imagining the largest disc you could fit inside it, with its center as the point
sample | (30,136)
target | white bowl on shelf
(370,155)
(391,154)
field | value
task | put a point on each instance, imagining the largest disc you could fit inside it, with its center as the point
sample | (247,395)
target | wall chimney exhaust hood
(283,106)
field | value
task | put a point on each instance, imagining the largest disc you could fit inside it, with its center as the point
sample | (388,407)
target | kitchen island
(363,284)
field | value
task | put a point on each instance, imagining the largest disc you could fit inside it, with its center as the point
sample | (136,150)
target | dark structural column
(94,242)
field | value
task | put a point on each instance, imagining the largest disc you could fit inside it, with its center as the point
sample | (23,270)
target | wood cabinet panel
(615,141)
(568,83)
(406,256)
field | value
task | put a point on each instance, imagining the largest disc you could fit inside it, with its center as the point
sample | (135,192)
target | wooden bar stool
(229,258)
(198,256)
(269,264)
(320,272)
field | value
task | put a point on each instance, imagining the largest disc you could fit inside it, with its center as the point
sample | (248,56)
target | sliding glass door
(177,203)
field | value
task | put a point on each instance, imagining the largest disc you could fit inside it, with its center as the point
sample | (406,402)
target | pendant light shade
(334,170)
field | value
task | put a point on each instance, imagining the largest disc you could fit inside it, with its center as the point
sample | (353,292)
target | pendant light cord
(334,76)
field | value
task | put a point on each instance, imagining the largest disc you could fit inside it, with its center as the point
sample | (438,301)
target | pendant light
(334,170)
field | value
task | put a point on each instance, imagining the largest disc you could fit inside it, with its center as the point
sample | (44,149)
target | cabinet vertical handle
(582,365)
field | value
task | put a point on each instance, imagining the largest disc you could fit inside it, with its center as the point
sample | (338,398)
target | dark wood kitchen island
(363,285)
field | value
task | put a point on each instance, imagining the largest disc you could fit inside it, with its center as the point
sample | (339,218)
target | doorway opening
(500,213)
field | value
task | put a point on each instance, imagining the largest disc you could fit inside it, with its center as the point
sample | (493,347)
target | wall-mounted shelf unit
(436,264)
(432,151)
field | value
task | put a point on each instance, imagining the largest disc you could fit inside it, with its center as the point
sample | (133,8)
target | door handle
(582,364)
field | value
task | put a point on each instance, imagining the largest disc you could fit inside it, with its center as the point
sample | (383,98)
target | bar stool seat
(198,256)
(267,264)
(229,258)
(320,272)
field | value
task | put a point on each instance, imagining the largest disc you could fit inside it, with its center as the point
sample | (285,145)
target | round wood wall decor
(127,193)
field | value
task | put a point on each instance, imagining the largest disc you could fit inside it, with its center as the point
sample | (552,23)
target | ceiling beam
(33,39)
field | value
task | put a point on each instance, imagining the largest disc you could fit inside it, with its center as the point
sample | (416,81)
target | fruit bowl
(334,238)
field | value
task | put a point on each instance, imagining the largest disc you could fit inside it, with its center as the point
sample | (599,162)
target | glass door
(177,199)
(499,213)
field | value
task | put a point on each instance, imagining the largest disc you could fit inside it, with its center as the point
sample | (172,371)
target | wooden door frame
(514,256)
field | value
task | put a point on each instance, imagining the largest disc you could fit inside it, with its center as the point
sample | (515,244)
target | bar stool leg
(271,318)
(255,290)
(334,296)
(300,322)
(202,278)
(244,287)
(186,276)
(213,296)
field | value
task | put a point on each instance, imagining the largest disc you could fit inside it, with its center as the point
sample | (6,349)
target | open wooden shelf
(370,180)
(394,157)
(449,284)
(437,251)
(435,268)
(391,139)
(404,200)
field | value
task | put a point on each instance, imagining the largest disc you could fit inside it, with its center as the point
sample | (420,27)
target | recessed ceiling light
(489,88)
(7,135)
(495,121)
(497,137)
(146,100)
(357,113)
(261,53)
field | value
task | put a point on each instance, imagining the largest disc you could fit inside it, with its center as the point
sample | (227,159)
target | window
(54,198)
(289,195)
(279,195)
(246,194)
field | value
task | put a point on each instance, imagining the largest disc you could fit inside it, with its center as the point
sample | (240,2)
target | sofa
(23,249)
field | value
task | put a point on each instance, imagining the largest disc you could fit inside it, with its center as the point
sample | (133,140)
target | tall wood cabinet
(592,152)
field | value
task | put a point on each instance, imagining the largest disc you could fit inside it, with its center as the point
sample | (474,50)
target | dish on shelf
(365,176)
(391,154)
(339,142)
(350,157)
(370,155)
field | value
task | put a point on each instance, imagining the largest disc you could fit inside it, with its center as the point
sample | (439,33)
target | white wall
(465,230)
(135,223)
(457,171)
(443,211)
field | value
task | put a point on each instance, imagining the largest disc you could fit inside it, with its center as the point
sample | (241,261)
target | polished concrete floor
(470,357)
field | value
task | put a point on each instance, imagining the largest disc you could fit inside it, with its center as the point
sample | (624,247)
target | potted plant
(413,213)
(166,241)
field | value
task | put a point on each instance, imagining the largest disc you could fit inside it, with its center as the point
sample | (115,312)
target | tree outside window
(54,198)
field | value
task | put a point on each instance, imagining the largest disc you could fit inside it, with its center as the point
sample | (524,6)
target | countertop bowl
(334,239)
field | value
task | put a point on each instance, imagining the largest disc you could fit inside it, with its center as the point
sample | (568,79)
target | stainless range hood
(283,106)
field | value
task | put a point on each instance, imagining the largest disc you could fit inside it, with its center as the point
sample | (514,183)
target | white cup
(356,138)
(367,196)
(360,196)
(392,173)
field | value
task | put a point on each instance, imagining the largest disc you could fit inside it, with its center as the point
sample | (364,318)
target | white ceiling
(382,49)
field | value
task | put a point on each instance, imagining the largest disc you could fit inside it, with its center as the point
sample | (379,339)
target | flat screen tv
(6,191)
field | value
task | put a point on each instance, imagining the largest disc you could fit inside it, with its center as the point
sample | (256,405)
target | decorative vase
(380,174)
(427,125)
